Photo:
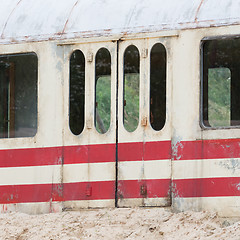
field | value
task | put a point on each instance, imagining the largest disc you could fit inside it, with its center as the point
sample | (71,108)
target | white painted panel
(208,168)
(224,206)
(76,205)
(136,202)
(32,208)
(89,172)
(134,170)
(30,175)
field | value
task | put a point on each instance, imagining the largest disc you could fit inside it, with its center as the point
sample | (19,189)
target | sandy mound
(136,223)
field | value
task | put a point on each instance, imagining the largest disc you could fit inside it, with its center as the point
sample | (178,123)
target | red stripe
(89,191)
(31,157)
(206,187)
(201,149)
(207,149)
(144,151)
(25,193)
(53,155)
(90,153)
(155,188)
(57,192)
(160,188)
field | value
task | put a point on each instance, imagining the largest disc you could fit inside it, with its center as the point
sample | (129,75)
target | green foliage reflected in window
(103,90)
(131,95)
(131,88)
(221,82)
(219,97)
(103,100)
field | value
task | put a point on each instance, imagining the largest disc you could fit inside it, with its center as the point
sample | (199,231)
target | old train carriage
(120,103)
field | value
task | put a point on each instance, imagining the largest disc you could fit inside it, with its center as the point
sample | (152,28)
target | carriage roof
(36,20)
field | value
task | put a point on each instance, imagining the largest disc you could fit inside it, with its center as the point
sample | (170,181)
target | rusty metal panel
(6,11)
(36,20)
(121,16)
(220,11)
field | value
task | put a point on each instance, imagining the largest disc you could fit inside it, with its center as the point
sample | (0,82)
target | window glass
(77,92)
(18,95)
(219,97)
(158,86)
(221,82)
(131,88)
(103,90)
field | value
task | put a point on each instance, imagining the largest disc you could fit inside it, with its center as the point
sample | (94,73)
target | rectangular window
(221,82)
(18,95)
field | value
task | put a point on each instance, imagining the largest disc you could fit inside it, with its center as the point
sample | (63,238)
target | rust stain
(107,30)
(198,9)
(66,23)
(5,25)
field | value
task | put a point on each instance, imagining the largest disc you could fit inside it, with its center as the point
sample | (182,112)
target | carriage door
(143,126)
(89,172)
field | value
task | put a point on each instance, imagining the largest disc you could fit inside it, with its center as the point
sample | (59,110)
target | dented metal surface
(35,20)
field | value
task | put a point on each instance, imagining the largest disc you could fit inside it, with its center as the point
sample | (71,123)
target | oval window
(131,88)
(77,92)
(103,90)
(158,86)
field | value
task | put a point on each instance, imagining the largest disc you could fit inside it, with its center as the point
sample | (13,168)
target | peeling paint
(238,187)
(177,146)
(231,164)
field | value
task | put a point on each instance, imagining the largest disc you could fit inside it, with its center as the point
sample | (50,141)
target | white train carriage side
(120,104)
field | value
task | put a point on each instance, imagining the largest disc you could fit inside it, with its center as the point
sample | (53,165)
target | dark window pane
(131,88)
(158,86)
(103,90)
(221,82)
(18,95)
(77,92)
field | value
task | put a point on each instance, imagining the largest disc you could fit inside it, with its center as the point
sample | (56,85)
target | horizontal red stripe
(185,150)
(206,149)
(89,191)
(57,192)
(154,188)
(160,188)
(30,193)
(144,151)
(55,155)
(30,157)
(90,153)
(206,187)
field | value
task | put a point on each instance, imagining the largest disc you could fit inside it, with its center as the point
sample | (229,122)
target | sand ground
(134,223)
